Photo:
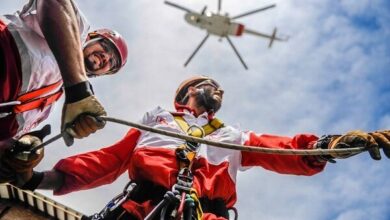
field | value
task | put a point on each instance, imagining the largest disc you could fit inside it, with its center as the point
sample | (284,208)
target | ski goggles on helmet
(206,82)
(210,82)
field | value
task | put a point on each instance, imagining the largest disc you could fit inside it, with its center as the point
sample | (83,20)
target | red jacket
(151,157)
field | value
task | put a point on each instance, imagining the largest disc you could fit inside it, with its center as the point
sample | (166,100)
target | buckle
(5,114)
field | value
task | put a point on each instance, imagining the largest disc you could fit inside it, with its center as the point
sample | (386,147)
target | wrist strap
(323,143)
(34,182)
(77,92)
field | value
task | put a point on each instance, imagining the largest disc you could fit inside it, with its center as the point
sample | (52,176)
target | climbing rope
(237,146)
(231,146)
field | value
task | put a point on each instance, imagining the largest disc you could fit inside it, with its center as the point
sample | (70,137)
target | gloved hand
(79,112)
(372,141)
(20,159)
(382,138)
(18,162)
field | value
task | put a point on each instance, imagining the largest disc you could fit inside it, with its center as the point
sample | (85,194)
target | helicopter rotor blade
(237,53)
(197,49)
(253,12)
(204,10)
(178,6)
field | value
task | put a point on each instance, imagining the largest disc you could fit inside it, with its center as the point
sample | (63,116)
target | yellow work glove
(79,112)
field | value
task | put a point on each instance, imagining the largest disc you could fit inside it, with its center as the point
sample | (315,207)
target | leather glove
(371,141)
(20,159)
(382,138)
(79,112)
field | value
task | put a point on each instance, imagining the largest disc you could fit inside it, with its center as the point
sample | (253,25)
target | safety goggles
(108,47)
(210,82)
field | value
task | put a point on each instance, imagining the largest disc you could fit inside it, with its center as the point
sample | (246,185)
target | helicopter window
(195,18)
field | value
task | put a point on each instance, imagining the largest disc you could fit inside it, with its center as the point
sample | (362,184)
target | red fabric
(40,92)
(285,164)
(159,165)
(240,30)
(10,80)
(38,103)
(89,170)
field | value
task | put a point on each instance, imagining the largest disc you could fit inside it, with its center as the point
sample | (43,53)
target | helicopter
(223,26)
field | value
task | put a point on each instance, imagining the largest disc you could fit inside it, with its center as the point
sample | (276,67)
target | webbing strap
(39,92)
(209,128)
(39,103)
(36,99)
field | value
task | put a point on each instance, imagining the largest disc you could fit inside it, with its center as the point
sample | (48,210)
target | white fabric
(163,119)
(39,66)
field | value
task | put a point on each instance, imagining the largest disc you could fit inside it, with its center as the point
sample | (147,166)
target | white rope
(257,149)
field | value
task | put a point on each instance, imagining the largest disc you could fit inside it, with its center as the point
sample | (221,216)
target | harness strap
(209,128)
(36,99)
(39,92)
(38,103)
(186,154)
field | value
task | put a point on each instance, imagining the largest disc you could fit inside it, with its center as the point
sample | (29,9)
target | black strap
(78,92)
(149,191)
(34,182)
(215,206)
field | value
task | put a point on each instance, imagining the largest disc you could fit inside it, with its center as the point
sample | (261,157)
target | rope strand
(257,149)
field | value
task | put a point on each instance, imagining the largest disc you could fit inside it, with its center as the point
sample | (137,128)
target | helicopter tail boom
(272,37)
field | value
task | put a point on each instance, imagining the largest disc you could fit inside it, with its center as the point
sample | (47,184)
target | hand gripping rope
(256,149)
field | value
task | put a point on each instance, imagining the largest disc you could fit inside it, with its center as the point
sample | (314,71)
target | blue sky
(332,76)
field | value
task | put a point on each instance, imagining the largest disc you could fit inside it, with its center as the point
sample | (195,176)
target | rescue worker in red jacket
(44,48)
(168,170)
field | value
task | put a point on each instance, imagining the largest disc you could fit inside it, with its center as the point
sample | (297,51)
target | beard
(89,65)
(207,99)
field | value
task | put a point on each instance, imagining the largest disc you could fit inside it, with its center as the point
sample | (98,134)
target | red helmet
(196,81)
(116,39)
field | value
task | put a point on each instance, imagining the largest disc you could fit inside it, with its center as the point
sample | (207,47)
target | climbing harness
(115,202)
(182,201)
(36,99)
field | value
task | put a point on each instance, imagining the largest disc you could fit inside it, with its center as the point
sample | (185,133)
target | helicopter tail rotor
(273,36)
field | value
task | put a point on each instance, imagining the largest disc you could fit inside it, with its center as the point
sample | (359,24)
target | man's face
(100,58)
(209,98)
